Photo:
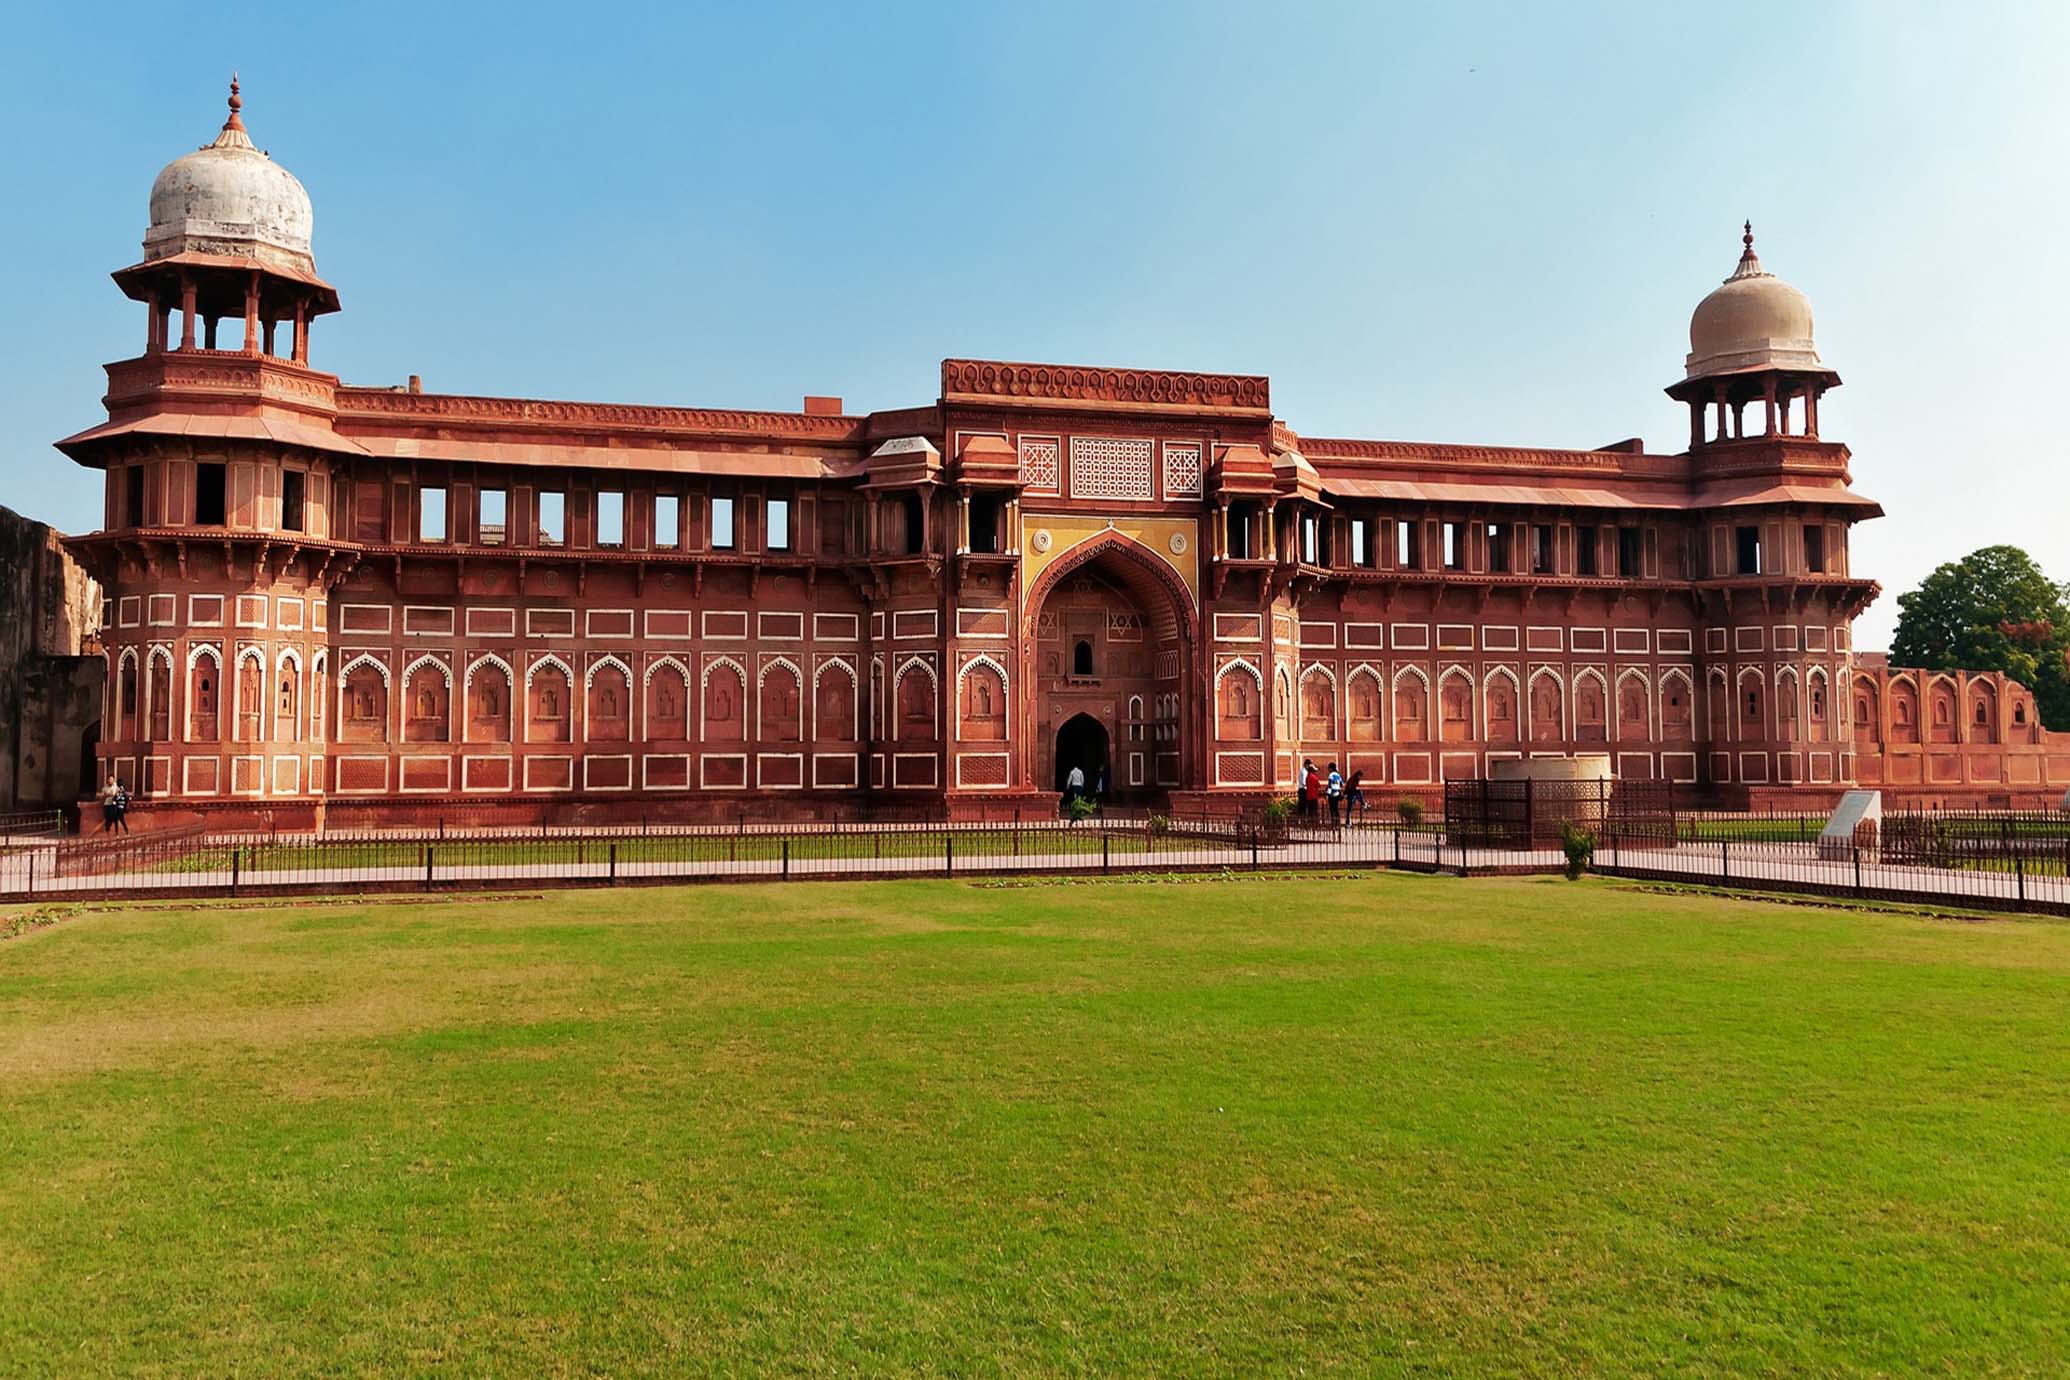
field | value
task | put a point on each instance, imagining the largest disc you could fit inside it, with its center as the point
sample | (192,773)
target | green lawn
(1367,1124)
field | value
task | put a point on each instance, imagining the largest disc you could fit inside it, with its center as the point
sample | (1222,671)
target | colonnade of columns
(198,330)
(1722,417)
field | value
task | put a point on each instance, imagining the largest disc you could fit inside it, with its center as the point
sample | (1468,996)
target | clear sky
(1425,222)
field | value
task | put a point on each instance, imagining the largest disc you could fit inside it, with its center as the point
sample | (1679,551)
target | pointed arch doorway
(1082,743)
(1113,642)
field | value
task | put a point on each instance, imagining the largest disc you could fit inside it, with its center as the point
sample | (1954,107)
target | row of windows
(1528,548)
(1512,547)
(492,519)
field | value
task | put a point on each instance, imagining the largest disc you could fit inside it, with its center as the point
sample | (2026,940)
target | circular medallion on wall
(668,581)
(553,579)
(1177,543)
(1042,539)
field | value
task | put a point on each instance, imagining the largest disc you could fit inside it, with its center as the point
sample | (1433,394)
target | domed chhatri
(1750,345)
(229,199)
(1754,320)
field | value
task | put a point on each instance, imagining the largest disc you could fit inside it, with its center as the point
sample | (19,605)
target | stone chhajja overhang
(903,462)
(1728,493)
(657,459)
(281,430)
(1241,471)
(989,461)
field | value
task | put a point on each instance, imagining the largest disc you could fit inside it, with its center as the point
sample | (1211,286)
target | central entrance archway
(1112,644)
(1082,743)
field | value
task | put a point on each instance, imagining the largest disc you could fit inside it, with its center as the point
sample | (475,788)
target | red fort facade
(358,604)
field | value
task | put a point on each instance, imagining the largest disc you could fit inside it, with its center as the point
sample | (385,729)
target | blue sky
(1456,223)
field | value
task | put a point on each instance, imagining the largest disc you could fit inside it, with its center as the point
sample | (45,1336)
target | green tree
(1993,610)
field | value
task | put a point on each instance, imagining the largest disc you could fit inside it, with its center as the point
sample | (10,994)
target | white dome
(229,198)
(1753,321)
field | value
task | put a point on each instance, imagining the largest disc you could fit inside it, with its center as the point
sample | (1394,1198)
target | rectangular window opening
(293,485)
(1361,544)
(1309,548)
(208,494)
(916,525)
(1630,553)
(984,525)
(722,524)
(1815,549)
(668,522)
(1498,548)
(431,513)
(1408,544)
(1748,541)
(1541,548)
(610,518)
(1240,523)
(133,496)
(779,524)
(1455,546)
(492,525)
(553,517)
(1586,542)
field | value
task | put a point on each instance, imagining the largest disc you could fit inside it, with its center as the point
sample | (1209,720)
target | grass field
(1367,1124)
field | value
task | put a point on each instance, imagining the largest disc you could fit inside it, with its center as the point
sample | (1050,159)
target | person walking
(108,805)
(1334,789)
(1074,786)
(121,803)
(1355,794)
(1311,787)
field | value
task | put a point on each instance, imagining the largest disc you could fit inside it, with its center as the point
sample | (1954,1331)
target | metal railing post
(1724,860)
(1857,869)
(612,875)
(2020,874)
(430,860)
(1105,865)
(236,859)
(948,854)
(786,855)
(1254,848)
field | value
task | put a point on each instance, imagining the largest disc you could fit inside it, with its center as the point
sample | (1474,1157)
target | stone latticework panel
(1181,471)
(1040,459)
(1107,467)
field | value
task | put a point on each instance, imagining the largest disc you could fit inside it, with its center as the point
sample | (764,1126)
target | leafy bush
(1579,845)
(1410,809)
(1160,825)
(1278,810)
(1081,808)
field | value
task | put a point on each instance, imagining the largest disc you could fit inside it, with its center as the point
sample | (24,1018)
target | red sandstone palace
(387,603)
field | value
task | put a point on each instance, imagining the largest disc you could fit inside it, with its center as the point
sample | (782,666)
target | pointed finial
(236,104)
(1747,239)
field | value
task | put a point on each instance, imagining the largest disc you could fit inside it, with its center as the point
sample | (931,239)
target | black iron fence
(2023,865)
(2018,881)
(1525,814)
(20,824)
(191,861)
